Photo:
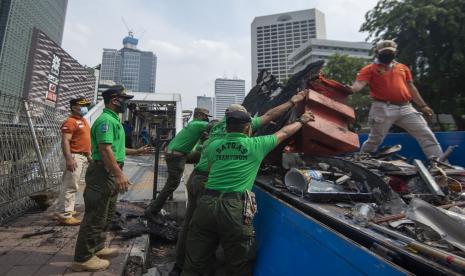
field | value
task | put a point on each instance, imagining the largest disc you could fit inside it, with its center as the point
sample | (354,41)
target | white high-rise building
(276,36)
(227,92)
(322,49)
(205,102)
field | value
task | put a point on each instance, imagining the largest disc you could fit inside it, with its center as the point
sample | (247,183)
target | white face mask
(83,111)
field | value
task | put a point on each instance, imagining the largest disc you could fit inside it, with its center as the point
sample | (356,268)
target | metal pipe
(155,169)
(450,258)
(36,144)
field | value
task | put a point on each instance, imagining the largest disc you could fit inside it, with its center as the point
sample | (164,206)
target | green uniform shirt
(217,132)
(107,129)
(186,139)
(235,160)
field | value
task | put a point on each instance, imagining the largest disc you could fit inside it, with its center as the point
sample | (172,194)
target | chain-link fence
(31,162)
(164,136)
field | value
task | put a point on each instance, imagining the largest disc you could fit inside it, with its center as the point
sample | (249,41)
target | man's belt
(392,103)
(215,193)
(100,162)
(82,153)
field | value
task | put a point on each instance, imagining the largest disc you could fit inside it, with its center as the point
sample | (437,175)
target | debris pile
(387,193)
(129,222)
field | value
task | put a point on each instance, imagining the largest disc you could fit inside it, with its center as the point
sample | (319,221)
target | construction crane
(130,31)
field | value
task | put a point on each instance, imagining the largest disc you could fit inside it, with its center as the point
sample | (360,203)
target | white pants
(382,116)
(70,185)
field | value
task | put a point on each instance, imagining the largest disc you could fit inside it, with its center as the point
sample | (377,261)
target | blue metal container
(293,243)
(412,150)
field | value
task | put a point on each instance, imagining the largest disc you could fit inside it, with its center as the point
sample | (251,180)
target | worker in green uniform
(225,211)
(198,177)
(104,179)
(178,149)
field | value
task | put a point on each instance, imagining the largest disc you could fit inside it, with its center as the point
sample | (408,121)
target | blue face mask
(83,110)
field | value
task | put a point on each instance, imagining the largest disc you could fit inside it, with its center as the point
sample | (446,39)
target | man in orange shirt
(392,90)
(75,144)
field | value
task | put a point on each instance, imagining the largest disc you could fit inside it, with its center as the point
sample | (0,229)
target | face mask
(83,111)
(123,106)
(386,57)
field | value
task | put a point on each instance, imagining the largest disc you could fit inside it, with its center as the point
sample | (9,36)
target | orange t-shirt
(80,130)
(387,84)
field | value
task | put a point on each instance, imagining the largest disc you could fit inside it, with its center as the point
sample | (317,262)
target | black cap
(116,91)
(79,101)
(238,117)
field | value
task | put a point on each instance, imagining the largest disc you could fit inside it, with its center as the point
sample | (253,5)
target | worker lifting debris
(416,207)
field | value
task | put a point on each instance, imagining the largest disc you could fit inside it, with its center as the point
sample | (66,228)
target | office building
(322,49)
(276,36)
(129,66)
(227,92)
(205,102)
(102,86)
(18,18)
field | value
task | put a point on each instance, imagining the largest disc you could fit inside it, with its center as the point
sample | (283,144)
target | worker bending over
(176,155)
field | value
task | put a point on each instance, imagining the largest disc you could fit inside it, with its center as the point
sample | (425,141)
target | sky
(195,41)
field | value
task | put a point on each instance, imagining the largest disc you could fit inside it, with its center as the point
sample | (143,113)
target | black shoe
(176,271)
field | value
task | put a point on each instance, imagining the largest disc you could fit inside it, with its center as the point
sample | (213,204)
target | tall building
(322,49)
(276,36)
(17,20)
(129,66)
(205,102)
(227,92)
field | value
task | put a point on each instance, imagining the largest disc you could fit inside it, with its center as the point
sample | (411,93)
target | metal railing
(164,136)
(31,161)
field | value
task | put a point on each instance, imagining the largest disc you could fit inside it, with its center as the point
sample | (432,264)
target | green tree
(343,69)
(431,39)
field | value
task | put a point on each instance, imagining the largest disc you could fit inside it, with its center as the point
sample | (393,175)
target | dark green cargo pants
(175,164)
(195,187)
(100,197)
(218,220)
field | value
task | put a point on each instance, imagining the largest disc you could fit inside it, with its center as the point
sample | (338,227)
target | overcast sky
(196,41)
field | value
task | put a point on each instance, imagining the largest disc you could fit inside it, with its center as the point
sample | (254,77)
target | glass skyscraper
(129,66)
(17,20)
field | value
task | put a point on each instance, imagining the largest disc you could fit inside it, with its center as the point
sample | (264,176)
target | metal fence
(163,136)
(30,154)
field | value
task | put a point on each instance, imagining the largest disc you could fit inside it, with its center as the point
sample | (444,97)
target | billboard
(53,76)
